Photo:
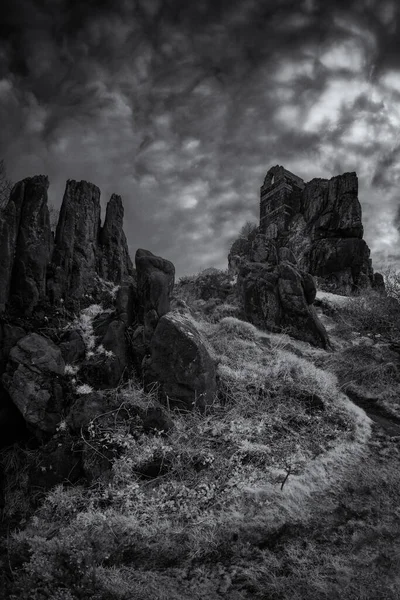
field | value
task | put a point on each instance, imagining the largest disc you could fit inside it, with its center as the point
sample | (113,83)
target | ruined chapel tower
(280,198)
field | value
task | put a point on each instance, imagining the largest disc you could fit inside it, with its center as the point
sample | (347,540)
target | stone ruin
(320,222)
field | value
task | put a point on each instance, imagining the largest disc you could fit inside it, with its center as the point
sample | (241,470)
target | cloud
(182,108)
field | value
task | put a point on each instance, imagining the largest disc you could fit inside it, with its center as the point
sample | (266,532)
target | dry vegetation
(277,491)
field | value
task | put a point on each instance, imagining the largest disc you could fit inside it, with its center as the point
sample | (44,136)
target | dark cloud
(182,107)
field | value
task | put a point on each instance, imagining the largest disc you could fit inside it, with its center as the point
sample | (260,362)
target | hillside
(230,435)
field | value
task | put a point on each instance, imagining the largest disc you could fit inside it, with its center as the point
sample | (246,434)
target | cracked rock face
(320,222)
(32,381)
(25,245)
(155,282)
(115,263)
(83,250)
(76,242)
(180,364)
(279,298)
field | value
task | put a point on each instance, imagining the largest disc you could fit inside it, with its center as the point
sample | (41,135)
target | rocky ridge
(73,304)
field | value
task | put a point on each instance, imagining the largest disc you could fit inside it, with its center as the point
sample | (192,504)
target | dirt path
(388,422)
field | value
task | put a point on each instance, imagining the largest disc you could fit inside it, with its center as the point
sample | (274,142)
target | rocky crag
(307,232)
(320,222)
(73,304)
(77,319)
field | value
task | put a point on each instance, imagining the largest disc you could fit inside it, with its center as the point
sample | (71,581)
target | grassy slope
(278,491)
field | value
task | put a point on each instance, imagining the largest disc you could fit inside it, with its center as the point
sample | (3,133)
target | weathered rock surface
(320,222)
(83,250)
(89,407)
(109,364)
(32,381)
(114,342)
(126,301)
(33,265)
(72,347)
(279,298)
(76,241)
(115,262)
(33,245)
(25,244)
(155,282)
(180,364)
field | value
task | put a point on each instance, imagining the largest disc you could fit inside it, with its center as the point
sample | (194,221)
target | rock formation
(172,355)
(33,268)
(278,297)
(77,237)
(114,262)
(84,250)
(25,244)
(32,381)
(180,364)
(320,222)
(155,282)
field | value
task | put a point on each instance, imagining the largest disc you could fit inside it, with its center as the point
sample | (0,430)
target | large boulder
(179,365)
(279,298)
(32,380)
(155,282)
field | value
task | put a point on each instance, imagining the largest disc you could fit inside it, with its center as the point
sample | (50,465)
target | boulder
(279,298)
(72,347)
(108,409)
(32,381)
(126,301)
(155,282)
(89,407)
(299,317)
(179,365)
(138,348)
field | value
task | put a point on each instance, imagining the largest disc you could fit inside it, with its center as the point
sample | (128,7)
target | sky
(182,107)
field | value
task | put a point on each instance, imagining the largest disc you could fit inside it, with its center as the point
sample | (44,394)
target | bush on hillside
(210,283)
(370,313)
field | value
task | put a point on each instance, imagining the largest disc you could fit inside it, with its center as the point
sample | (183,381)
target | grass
(278,490)
(248,465)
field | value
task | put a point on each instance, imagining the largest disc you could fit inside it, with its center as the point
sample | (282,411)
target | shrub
(371,313)
(236,327)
